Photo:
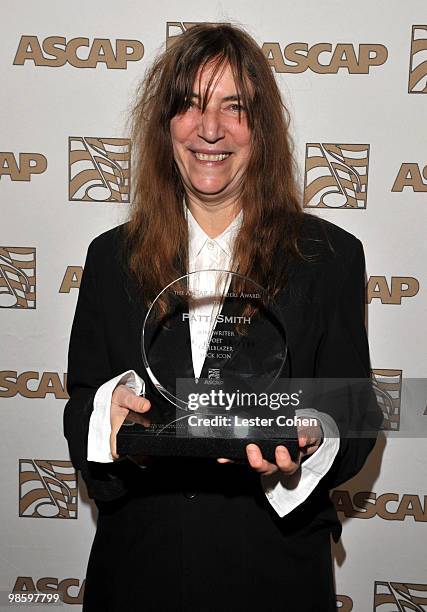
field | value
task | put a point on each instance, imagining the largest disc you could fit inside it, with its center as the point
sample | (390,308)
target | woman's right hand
(122,402)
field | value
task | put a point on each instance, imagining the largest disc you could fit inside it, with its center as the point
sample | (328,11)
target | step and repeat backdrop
(354,77)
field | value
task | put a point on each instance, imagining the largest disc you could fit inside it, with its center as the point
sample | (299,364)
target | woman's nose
(211,128)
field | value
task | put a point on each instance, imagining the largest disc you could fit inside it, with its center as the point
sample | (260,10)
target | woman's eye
(237,108)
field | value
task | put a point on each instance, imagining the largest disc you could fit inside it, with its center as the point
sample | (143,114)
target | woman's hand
(309,440)
(122,402)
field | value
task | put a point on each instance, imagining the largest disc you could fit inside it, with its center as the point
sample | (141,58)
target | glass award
(214,348)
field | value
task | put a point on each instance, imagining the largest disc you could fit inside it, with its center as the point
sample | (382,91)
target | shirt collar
(198,237)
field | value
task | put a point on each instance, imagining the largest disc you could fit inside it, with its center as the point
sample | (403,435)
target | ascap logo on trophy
(387,385)
(399,596)
(412,176)
(393,292)
(17,277)
(47,489)
(70,590)
(99,169)
(56,51)
(32,384)
(21,166)
(417,82)
(336,175)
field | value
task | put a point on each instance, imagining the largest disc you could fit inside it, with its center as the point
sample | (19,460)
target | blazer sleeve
(88,368)
(344,354)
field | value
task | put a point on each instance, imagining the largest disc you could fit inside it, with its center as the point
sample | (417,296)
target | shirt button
(210,245)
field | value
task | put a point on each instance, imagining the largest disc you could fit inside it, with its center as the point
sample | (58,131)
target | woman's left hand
(309,440)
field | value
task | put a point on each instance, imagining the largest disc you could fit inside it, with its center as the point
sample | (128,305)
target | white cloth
(216,253)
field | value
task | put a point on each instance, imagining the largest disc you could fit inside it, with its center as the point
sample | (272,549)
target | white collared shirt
(216,253)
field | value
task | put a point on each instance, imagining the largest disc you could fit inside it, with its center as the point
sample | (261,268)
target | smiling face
(212,148)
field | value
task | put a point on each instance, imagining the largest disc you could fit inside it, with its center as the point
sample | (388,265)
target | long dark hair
(156,234)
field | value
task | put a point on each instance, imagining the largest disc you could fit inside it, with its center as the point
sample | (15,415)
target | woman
(215,186)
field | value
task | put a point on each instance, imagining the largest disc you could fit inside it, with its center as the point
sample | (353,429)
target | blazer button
(190,494)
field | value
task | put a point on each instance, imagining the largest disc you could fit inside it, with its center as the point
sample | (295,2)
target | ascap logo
(99,169)
(400,596)
(387,386)
(410,175)
(388,506)
(176,28)
(72,279)
(12,384)
(69,589)
(400,287)
(336,175)
(17,277)
(55,51)
(324,58)
(298,57)
(344,603)
(47,489)
(418,65)
(24,167)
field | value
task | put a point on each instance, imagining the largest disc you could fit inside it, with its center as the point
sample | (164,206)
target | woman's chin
(211,189)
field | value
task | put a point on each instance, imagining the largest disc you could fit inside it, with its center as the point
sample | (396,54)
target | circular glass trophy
(213,344)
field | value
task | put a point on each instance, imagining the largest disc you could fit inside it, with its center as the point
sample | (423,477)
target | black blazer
(212,539)
(323,306)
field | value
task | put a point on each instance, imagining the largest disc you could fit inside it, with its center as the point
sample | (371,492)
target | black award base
(178,438)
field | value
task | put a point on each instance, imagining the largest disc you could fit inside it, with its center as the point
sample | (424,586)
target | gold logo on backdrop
(324,58)
(55,51)
(17,277)
(99,169)
(174,29)
(344,603)
(22,169)
(387,385)
(410,175)
(336,175)
(388,506)
(72,279)
(47,489)
(69,589)
(400,287)
(400,596)
(418,64)
(30,384)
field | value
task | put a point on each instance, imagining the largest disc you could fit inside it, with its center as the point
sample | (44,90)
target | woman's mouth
(210,157)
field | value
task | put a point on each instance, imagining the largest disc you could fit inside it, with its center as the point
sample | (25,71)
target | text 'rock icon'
(99,169)
(17,277)
(336,175)
(47,489)
(418,62)
(387,385)
(400,597)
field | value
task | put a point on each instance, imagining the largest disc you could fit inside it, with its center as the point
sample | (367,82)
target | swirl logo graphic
(47,489)
(400,597)
(387,385)
(418,60)
(99,169)
(17,277)
(336,175)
